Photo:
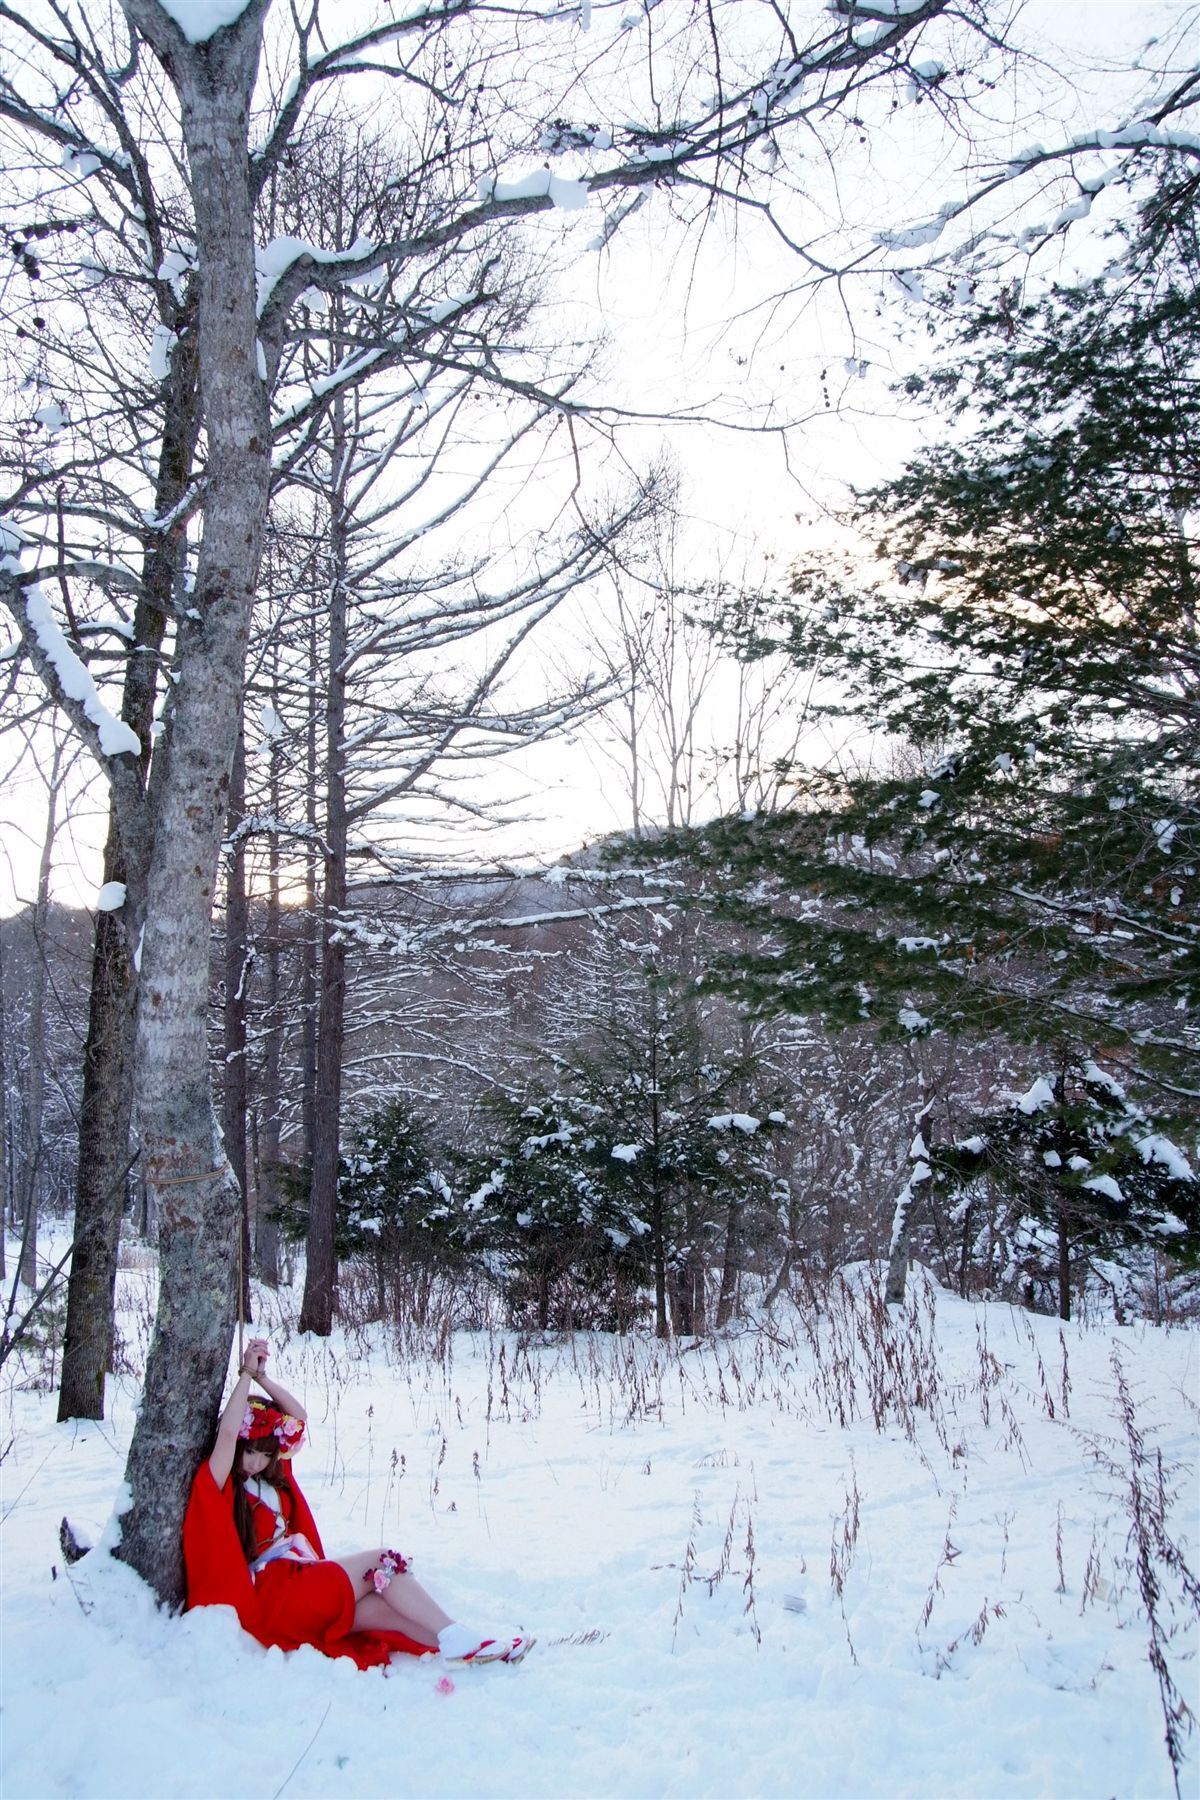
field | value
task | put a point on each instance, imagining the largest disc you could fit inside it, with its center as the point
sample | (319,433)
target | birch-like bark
(904,1216)
(199,1206)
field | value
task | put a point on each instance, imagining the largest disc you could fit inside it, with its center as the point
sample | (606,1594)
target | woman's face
(254,1461)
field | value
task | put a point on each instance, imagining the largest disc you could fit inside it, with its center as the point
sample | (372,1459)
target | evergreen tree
(549,1222)
(1027,633)
(396,1210)
(1086,1178)
(626,1174)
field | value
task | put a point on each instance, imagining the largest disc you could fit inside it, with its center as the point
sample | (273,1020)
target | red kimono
(288,1603)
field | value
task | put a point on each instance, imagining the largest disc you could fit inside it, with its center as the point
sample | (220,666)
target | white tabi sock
(456,1640)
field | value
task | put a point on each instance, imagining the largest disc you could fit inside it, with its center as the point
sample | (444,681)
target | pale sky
(695,325)
(687,321)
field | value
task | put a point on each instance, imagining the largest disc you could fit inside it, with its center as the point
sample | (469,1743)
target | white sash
(295,1548)
(290,1546)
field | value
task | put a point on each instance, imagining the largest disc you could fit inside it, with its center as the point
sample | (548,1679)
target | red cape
(217,1574)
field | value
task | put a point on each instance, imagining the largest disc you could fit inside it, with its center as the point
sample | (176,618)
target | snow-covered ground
(742,1583)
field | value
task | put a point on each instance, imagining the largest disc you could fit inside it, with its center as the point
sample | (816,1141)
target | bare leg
(403,1606)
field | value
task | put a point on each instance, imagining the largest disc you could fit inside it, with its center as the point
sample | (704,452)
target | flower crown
(263,1421)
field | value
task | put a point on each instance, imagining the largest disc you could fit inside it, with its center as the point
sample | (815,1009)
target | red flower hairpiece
(263,1421)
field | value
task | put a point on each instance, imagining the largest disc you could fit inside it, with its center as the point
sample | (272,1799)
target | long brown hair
(275,1472)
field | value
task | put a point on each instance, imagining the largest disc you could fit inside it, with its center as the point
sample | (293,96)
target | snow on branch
(812,81)
(70,686)
(1132,139)
(200,20)
(65,674)
(284,255)
(570,196)
(462,932)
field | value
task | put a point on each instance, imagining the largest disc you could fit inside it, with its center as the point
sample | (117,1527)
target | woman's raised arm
(286,1402)
(223,1451)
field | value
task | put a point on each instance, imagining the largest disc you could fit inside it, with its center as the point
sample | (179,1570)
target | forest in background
(503,1037)
(302,466)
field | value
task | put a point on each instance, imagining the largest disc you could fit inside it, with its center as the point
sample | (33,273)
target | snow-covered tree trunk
(199,1206)
(903,1218)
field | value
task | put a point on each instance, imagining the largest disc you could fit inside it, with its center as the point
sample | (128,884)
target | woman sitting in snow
(250,1542)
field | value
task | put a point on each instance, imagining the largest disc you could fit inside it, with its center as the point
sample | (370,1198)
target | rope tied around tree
(162,1181)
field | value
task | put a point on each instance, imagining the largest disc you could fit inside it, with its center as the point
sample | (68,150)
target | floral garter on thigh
(390,1563)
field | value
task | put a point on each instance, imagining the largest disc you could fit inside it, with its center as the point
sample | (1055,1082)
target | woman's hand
(254,1363)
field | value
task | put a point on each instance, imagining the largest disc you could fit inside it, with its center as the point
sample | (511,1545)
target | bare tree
(695,729)
(384,591)
(170,826)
